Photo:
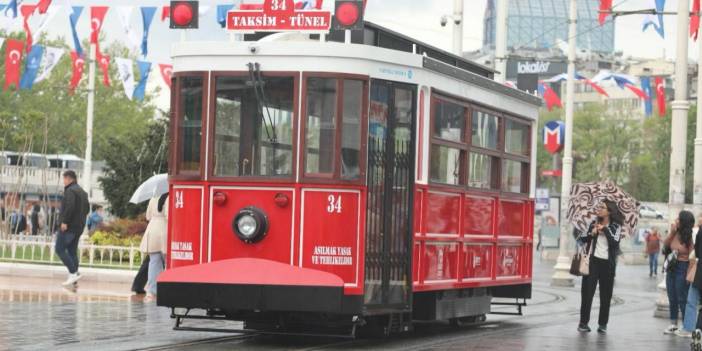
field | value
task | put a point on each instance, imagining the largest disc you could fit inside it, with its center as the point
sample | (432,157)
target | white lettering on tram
(255,21)
(182,250)
(332,256)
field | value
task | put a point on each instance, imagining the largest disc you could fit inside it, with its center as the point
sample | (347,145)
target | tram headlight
(250,225)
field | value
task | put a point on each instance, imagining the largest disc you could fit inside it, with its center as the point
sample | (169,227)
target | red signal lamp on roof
(184,14)
(348,15)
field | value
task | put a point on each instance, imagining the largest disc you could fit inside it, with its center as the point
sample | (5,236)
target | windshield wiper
(256,80)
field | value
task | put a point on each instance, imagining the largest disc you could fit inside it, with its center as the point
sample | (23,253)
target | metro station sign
(279,16)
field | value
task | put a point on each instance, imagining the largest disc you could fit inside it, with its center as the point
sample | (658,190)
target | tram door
(390,189)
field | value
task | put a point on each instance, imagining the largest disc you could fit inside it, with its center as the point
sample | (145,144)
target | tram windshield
(253,126)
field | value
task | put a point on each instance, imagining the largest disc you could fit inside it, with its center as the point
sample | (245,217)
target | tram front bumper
(251,284)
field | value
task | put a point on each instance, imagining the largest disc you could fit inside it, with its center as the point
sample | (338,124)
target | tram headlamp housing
(250,225)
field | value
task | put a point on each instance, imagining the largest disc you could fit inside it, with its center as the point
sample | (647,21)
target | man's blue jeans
(67,250)
(653,263)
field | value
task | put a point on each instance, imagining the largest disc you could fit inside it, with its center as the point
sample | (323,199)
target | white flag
(1,41)
(204,10)
(125,16)
(51,58)
(125,70)
(42,21)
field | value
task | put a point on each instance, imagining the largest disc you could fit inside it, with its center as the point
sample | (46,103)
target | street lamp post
(458,27)
(697,176)
(88,162)
(678,138)
(561,275)
(501,41)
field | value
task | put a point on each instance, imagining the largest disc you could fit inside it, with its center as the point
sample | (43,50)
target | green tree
(132,163)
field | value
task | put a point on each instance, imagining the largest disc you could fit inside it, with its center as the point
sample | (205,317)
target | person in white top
(154,241)
(604,234)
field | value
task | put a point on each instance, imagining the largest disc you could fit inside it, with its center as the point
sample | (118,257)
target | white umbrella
(152,187)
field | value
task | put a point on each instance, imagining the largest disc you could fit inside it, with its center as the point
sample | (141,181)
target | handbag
(580,265)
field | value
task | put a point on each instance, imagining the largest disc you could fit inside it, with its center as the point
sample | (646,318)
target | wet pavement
(37,314)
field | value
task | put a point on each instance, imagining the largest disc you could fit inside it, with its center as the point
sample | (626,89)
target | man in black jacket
(74,211)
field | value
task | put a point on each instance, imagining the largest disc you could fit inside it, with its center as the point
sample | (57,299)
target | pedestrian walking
(602,237)
(34,218)
(142,276)
(155,240)
(95,219)
(677,247)
(74,211)
(694,278)
(653,247)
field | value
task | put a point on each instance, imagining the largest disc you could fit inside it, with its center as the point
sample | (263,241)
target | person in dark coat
(142,277)
(602,240)
(74,212)
(35,219)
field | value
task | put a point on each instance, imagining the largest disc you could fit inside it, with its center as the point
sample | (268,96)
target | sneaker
(683,333)
(602,329)
(72,279)
(671,329)
(583,328)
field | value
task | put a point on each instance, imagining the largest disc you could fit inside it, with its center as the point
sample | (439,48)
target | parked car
(649,212)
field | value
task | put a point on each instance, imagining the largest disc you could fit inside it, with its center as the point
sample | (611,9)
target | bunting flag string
(550,96)
(43,5)
(695,19)
(165,13)
(646,87)
(32,67)
(222,14)
(605,8)
(97,17)
(78,64)
(166,73)
(104,63)
(27,10)
(147,16)
(12,6)
(13,60)
(125,72)
(75,15)
(660,95)
(125,16)
(144,70)
(52,57)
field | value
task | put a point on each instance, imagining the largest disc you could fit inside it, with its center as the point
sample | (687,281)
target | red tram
(317,183)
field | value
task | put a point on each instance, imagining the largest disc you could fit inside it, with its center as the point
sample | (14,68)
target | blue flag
(646,87)
(12,6)
(32,67)
(77,10)
(660,7)
(222,14)
(2,7)
(147,15)
(144,70)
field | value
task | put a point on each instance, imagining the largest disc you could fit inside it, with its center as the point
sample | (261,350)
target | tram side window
(253,129)
(516,138)
(448,147)
(334,114)
(485,130)
(514,176)
(483,171)
(190,123)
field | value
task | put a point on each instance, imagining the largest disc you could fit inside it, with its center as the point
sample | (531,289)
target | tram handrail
(43,252)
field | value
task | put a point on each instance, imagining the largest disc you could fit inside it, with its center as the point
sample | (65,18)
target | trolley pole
(88,162)
(501,41)
(561,276)
(697,177)
(458,27)
(678,140)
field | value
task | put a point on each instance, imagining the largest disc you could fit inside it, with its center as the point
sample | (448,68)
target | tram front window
(190,123)
(253,128)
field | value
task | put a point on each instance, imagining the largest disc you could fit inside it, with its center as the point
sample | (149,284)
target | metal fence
(40,249)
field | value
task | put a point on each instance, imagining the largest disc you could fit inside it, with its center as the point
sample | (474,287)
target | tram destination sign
(279,16)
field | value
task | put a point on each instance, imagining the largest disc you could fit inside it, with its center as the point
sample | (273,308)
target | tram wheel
(375,327)
(466,321)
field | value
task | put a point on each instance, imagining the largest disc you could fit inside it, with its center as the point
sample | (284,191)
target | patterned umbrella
(584,198)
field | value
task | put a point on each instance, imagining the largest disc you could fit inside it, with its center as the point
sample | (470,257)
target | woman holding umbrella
(602,240)
(679,242)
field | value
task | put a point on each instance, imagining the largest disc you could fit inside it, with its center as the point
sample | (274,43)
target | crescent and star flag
(43,5)
(165,13)
(605,6)
(104,63)
(695,19)
(554,136)
(27,11)
(78,64)
(660,95)
(147,16)
(13,60)
(144,70)
(125,72)
(51,58)
(550,96)
(222,14)
(646,87)
(12,6)
(166,72)
(97,16)
(31,68)
(75,15)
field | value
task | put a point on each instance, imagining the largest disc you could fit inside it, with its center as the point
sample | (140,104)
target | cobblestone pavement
(37,314)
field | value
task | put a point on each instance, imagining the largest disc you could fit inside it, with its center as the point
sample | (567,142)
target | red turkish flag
(43,5)
(78,64)
(13,61)
(660,95)
(605,6)
(695,19)
(165,13)
(104,62)
(166,73)
(97,15)
(28,10)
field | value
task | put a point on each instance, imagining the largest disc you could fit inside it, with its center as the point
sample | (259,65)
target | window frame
(213,124)
(176,140)
(467,147)
(335,177)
